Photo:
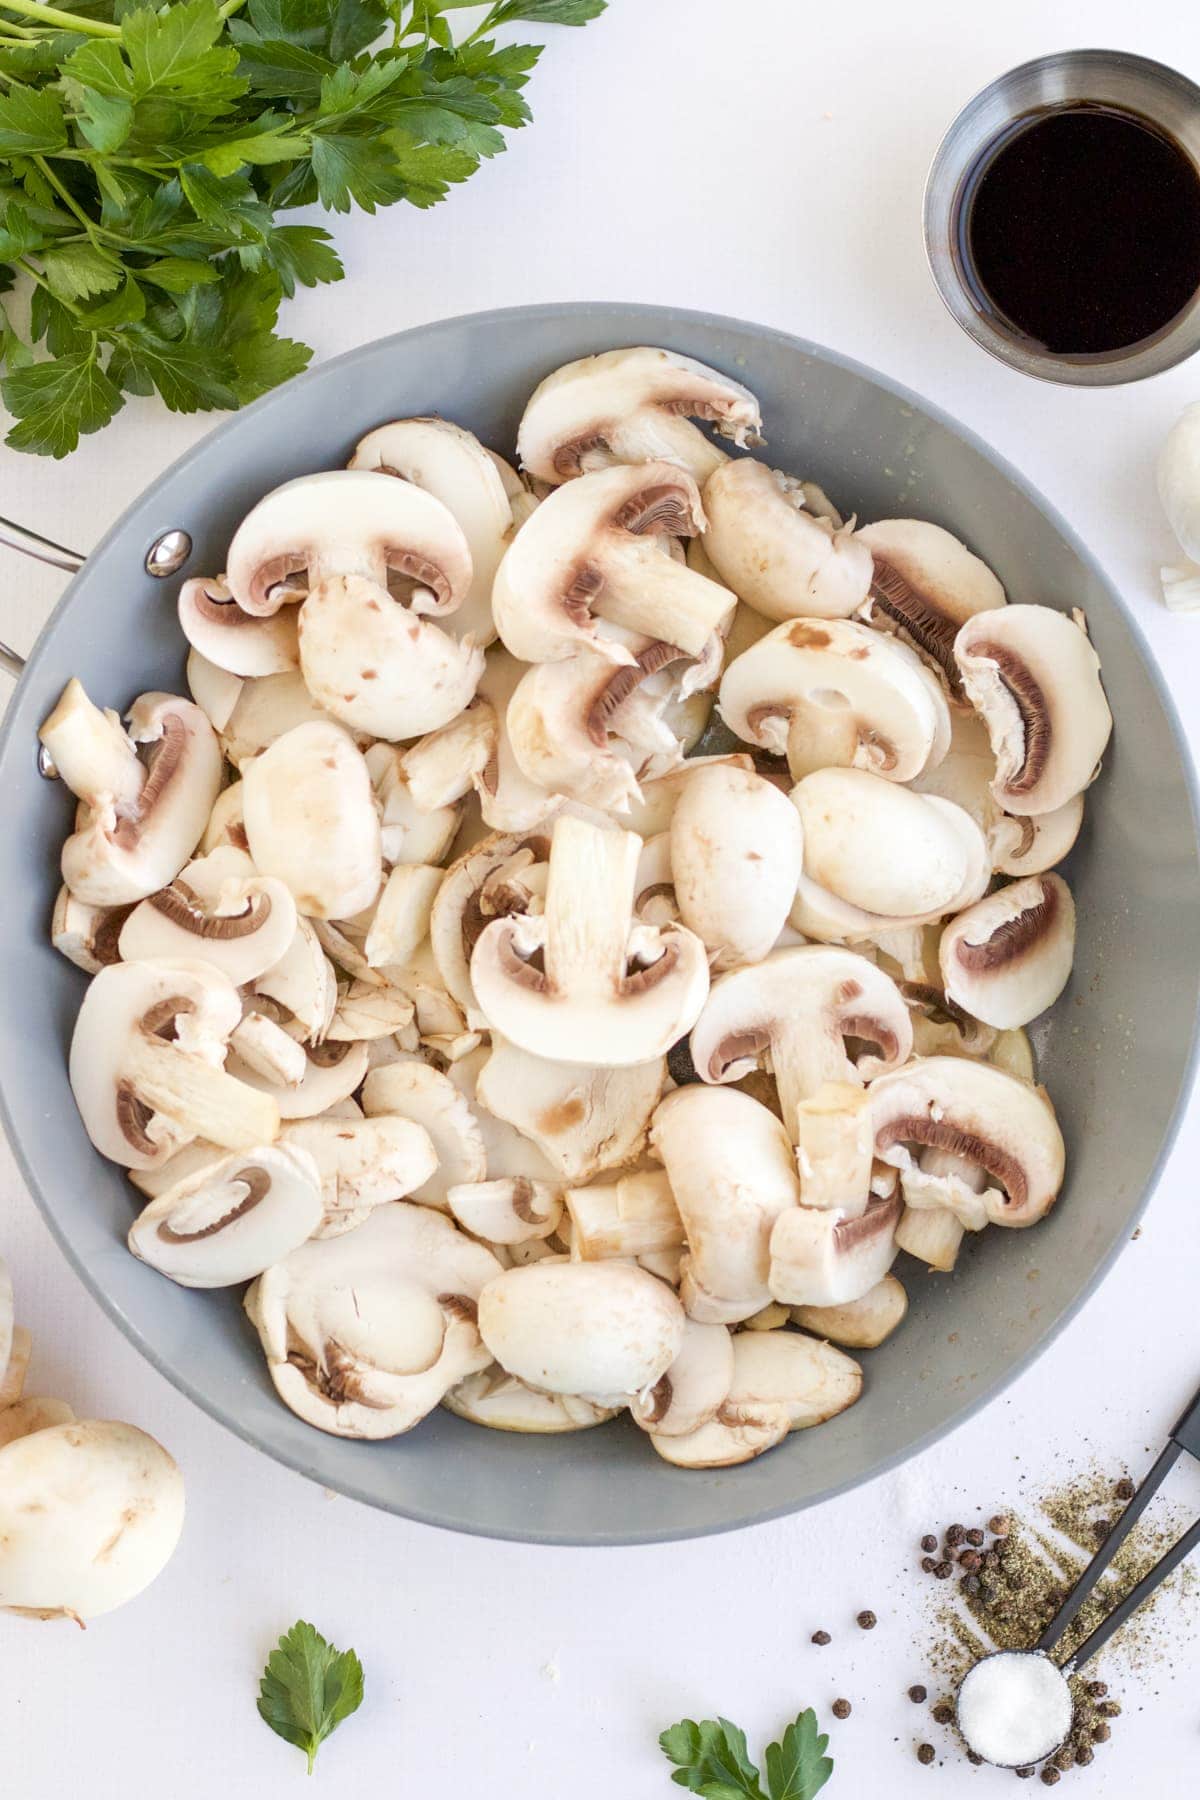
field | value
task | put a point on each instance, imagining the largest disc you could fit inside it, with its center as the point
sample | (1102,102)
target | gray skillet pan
(1116,1053)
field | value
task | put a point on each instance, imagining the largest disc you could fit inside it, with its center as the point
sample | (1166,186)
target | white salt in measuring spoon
(1014,1707)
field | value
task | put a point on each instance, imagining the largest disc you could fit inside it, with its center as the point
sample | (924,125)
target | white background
(763,159)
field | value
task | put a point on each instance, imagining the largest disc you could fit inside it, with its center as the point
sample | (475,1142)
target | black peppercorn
(841,1709)
(821,1637)
(973,1756)
(1101,1529)
(928,1564)
(917,1694)
(925,1753)
(1124,1489)
(942,1570)
(1097,1689)
(1109,1709)
(999,1525)
(955,1535)
(867,1620)
(1084,1755)
(929,1542)
(969,1560)
(1050,1775)
(1024,1772)
(971,1585)
(975,1536)
(1065,1758)
(943,1712)
(1101,1733)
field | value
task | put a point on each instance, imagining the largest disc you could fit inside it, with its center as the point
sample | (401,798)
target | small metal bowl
(1110,78)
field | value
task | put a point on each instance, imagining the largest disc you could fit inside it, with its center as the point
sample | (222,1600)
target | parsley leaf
(55,401)
(308,1688)
(711,1760)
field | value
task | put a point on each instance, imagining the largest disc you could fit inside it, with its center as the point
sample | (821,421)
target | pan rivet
(45,767)
(167,554)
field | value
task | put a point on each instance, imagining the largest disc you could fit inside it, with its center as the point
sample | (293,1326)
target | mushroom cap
(829,1256)
(925,583)
(731,1169)
(239,643)
(453,466)
(608,992)
(585,1120)
(1008,957)
(562,731)
(90,1513)
(231,1220)
(364,1333)
(631,406)
(604,1330)
(22,1417)
(1033,675)
(812,1380)
(311,820)
(217,909)
(412,1090)
(878,846)
(124,852)
(302,982)
(737,851)
(782,559)
(362,1163)
(692,1390)
(347,522)
(834,691)
(980,1114)
(591,551)
(498,1400)
(652,811)
(379,666)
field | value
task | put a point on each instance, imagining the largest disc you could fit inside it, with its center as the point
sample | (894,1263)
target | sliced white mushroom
(1008,957)
(493,878)
(562,732)
(833,693)
(924,584)
(365,1333)
(400,923)
(137,829)
(508,798)
(498,1400)
(730,1167)
(878,846)
(37,1413)
(737,850)
(782,1381)
(333,1072)
(802,1006)
(777,555)
(262,1044)
(835,1147)
(152,1182)
(311,820)
(983,1116)
(366,1011)
(226,821)
(215,691)
(232,1220)
(603,1330)
(145,1064)
(651,812)
(693,1389)
(408,834)
(509,1210)
(217,909)
(608,992)
(265,710)
(633,1216)
(86,935)
(584,1120)
(302,982)
(1037,841)
(412,1090)
(632,406)
(216,626)
(831,1256)
(735,1435)
(90,1514)
(931,1234)
(591,552)
(1033,675)
(453,466)
(860,1324)
(444,766)
(12,1377)
(361,1163)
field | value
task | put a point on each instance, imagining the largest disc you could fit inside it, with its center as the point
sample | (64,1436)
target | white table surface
(766,160)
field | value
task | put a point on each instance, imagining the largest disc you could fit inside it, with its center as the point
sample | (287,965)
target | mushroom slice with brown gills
(302,983)
(453,466)
(240,643)
(779,557)
(608,992)
(592,552)
(1008,957)
(1035,842)
(492,879)
(219,910)
(311,820)
(1032,674)
(826,1257)
(822,1014)
(604,1330)
(86,935)
(636,1215)
(365,1333)
(498,1400)
(360,1163)
(564,725)
(141,820)
(731,1171)
(878,846)
(924,585)
(632,406)
(145,1064)
(231,1221)
(508,799)
(585,1120)
(226,822)
(860,1324)
(737,850)
(982,1116)
(830,692)
(692,1390)
(509,1210)
(333,1072)
(782,1381)
(412,1090)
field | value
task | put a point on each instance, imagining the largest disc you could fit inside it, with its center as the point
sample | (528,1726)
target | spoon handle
(1182,1548)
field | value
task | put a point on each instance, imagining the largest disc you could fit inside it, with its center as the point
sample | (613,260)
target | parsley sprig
(711,1759)
(308,1688)
(146,157)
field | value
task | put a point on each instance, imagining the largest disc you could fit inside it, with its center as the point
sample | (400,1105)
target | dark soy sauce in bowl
(1080,230)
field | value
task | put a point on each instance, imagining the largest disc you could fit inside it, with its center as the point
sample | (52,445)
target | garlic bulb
(1179,491)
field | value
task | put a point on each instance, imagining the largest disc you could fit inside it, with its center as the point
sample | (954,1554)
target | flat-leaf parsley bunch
(146,156)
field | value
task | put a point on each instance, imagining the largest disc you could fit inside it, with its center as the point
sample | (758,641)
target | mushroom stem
(835,1145)
(647,592)
(90,750)
(198,1097)
(803,1061)
(589,903)
(932,1234)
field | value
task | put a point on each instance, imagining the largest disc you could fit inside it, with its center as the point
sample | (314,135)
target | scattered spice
(867,1620)
(925,1753)
(973,1756)
(841,1709)
(821,1637)
(918,1695)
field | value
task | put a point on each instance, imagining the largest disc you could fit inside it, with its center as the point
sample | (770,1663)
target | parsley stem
(230,7)
(64,194)
(65,21)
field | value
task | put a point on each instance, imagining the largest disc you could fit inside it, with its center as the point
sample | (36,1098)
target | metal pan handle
(29,543)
